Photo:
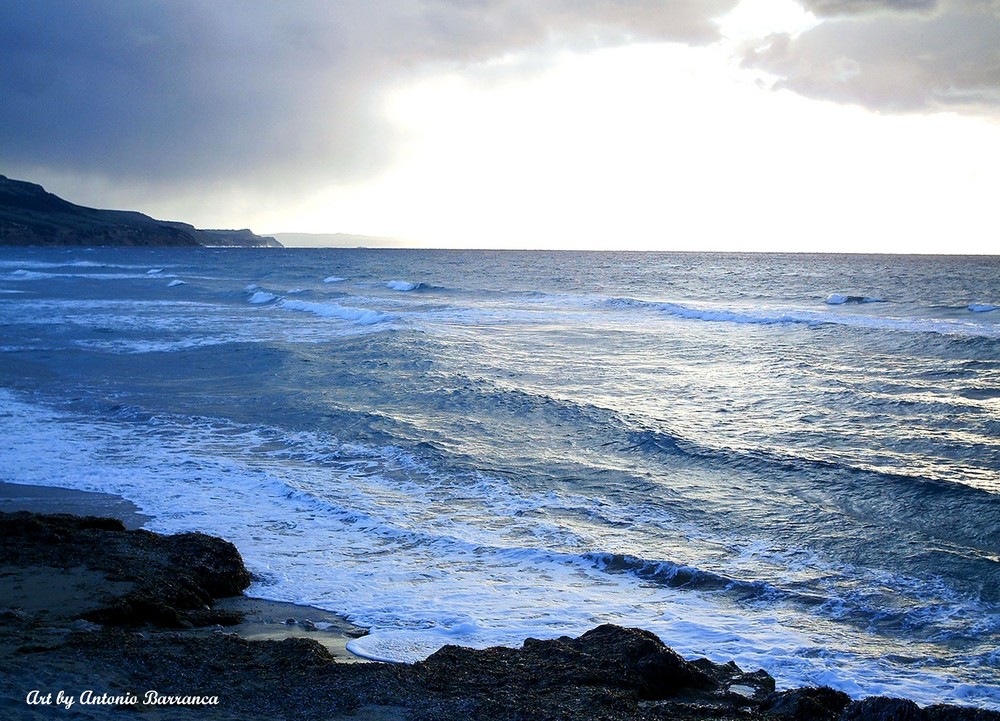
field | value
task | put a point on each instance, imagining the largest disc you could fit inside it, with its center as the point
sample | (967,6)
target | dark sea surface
(792,461)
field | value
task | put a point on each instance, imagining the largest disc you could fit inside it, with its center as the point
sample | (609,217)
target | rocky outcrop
(607,674)
(806,704)
(172,580)
(29,215)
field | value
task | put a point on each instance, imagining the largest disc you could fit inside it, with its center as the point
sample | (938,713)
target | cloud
(268,93)
(897,56)
(861,7)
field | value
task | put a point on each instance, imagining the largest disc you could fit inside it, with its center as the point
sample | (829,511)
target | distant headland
(30,215)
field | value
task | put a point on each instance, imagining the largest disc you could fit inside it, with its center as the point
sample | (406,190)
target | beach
(48,648)
(101,621)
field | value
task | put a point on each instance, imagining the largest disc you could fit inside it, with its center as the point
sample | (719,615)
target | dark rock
(609,666)
(726,675)
(660,672)
(806,704)
(959,713)
(214,565)
(100,524)
(175,577)
(880,708)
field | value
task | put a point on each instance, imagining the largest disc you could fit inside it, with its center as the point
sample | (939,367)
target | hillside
(29,215)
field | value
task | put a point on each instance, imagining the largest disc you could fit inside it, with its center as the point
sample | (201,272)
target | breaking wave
(840,299)
(335,310)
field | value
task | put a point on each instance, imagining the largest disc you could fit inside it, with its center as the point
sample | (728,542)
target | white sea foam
(154,271)
(378,534)
(780,316)
(334,279)
(335,310)
(28,275)
(260,297)
(175,324)
(38,264)
(402,285)
(175,283)
(130,346)
(22,274)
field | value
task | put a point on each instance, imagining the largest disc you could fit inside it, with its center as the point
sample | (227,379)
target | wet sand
(62,594)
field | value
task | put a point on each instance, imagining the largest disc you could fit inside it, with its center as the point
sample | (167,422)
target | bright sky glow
(507,123)
(667,147)
(759,18)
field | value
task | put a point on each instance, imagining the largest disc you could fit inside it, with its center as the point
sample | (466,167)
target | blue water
(788,460)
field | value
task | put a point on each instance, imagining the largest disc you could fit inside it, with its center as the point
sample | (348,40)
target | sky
(788,125)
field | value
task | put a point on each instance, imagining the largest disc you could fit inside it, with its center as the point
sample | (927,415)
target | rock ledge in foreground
(174,579)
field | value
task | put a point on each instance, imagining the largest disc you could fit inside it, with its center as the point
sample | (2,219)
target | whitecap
(334,310)
(261,296)
(71,264)
(810,318)
(22,274)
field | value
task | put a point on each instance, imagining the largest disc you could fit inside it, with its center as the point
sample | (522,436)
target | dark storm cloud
(172,92)
(895,56)
(859,7)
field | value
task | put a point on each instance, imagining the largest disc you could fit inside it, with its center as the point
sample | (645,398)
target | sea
(790,461)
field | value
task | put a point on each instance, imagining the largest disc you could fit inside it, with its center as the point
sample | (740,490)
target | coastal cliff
(30,215)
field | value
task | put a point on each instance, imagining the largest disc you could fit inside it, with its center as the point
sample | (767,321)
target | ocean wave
(840,299)
(22,274)
(677,575)
(28,275)
(720,315)
(982,307)
(334,310)
(418,587)
(405,286)
(42,265)
(260,297)
(334,279)
(811,318)
(896,603)
(664,440)
(598,426)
